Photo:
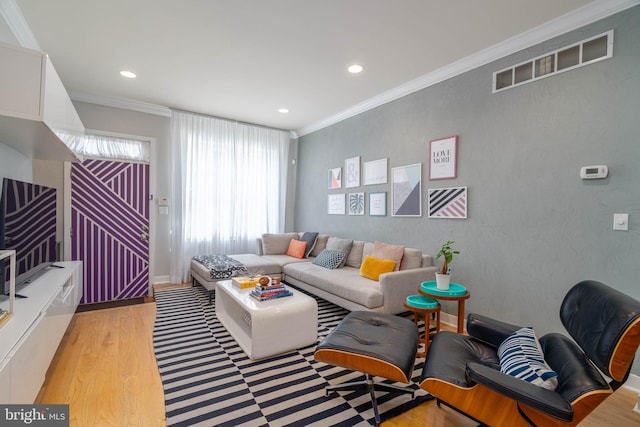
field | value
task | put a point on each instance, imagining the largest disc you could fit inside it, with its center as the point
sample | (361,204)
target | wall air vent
(586,52)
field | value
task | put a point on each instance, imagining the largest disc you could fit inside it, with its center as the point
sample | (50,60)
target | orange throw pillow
(372,268)
(296,248)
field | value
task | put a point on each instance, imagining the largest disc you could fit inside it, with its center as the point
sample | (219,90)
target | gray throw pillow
(343,245)
(310,238)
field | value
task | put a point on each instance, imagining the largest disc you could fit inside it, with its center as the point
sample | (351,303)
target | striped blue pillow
(521,357)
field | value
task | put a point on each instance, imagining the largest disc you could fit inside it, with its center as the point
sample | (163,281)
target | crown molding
(123,103)
(592,12)
(12,15)
(580,17)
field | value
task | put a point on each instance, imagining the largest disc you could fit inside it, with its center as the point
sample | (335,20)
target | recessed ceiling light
(283,110)
(128,74)
(355,68)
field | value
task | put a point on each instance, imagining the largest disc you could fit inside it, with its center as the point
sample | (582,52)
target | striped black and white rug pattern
(209,381)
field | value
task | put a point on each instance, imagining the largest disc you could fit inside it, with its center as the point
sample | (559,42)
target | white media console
(30,338)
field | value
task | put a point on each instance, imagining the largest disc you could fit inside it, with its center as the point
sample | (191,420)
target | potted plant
(443,278)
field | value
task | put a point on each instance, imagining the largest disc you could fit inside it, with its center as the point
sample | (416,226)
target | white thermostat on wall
(594,172)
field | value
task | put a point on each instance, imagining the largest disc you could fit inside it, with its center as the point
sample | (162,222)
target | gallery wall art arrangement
(406,186)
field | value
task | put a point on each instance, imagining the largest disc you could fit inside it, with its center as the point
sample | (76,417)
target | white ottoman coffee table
(266,328)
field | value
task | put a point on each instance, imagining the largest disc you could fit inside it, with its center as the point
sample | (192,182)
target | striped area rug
(209,381)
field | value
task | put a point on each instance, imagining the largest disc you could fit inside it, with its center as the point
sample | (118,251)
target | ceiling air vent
(568,58)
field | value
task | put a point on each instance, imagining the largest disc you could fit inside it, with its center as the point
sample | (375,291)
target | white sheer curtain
(229,185)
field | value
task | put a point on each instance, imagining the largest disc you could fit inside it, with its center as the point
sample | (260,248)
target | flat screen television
(28,225)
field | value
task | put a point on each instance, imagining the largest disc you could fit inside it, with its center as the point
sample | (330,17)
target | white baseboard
(633,383)
(451,320)
(161,280)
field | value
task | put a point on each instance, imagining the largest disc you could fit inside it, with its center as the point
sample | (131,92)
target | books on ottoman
(265,292)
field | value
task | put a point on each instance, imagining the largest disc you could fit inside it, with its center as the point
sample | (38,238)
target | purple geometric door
(110,228)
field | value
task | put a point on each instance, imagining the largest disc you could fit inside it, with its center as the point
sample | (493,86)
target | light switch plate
(621,222)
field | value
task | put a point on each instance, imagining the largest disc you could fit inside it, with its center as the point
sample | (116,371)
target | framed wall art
(335,204)
(378,204)
(406,196)
(352,172)
(356,203)
(335,178)
(447,203)
(442,158)
(375,172)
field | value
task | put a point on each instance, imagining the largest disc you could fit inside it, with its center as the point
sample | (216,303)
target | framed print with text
(375,172)
(442,158)
(378,204)
(335,204)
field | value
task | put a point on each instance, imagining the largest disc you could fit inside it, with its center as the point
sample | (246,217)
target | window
(229,187)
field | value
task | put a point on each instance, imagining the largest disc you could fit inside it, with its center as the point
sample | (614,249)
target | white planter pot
(442,281)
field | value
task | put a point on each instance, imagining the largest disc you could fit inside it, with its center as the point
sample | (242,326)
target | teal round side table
(456,292)
(422,305)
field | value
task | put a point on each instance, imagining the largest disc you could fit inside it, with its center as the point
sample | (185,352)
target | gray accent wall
(534,228)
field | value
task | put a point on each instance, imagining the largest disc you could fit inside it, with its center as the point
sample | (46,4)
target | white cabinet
(29,340)
(34,103)
(7,311)
(20,82)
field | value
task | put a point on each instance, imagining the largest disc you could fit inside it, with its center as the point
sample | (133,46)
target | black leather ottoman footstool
(375,344)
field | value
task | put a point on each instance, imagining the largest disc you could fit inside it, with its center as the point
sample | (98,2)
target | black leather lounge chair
(464,373)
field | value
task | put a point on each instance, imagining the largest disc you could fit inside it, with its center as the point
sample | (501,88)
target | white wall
(14,165)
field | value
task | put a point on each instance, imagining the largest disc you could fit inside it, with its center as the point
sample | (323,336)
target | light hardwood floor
(105,369)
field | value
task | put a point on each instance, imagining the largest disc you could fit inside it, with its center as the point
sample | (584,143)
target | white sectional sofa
(343,286)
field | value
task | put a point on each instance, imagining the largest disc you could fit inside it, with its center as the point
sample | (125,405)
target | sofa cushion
(329,258)
(372,267)
(282,260)
(297,248)
(321,244)
(343,245)
(276,244)
(310,239)
(345,283)
(521,357)
(387,251)
(412,258)
(368,249)
(354,259)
